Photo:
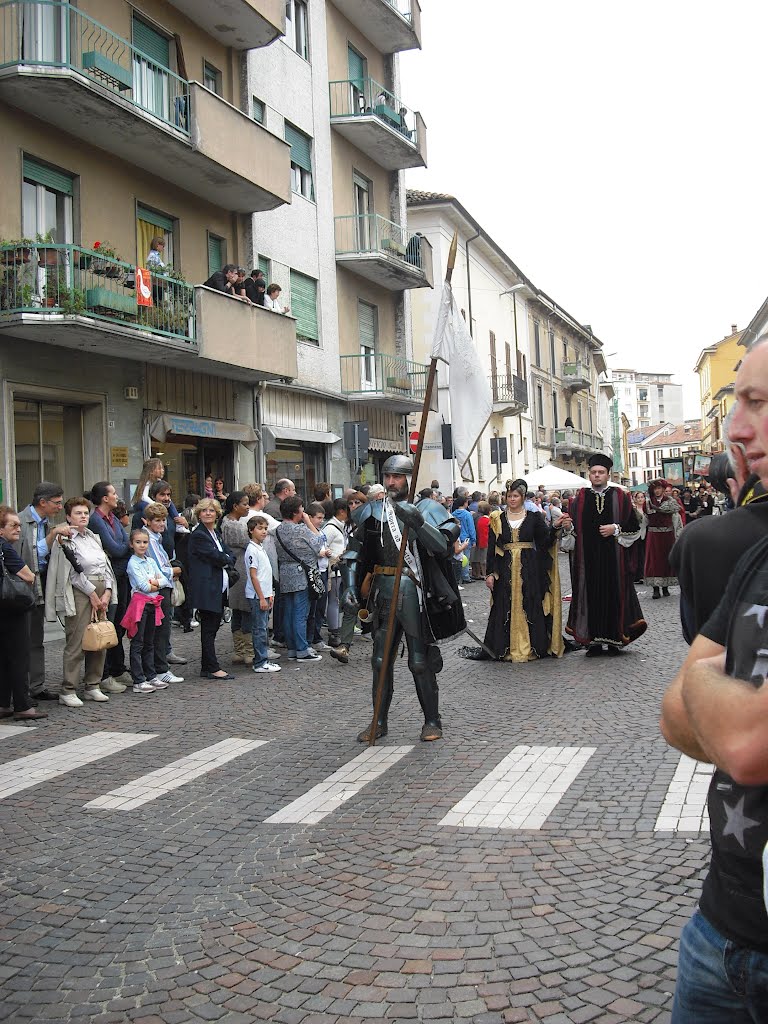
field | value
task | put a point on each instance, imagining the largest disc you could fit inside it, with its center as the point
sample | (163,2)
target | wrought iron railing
(506,387)
(569,437)
(376,373)
(43,278)
(365,97)
(53,34)
(372,233)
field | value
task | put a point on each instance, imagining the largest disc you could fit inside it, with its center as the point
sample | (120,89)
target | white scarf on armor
(411,558)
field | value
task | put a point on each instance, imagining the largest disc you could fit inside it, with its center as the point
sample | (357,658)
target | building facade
(716,369)
(647,398)
(648,446)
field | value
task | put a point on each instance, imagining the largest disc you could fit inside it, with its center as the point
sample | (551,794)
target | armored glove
(409,515)
(349,601)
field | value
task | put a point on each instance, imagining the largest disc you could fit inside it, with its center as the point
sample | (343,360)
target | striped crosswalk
(521,791)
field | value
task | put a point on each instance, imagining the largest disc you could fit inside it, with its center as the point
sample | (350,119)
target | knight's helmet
(401,465)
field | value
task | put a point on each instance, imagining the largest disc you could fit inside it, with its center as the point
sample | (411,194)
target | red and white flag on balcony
(470,392)
(143,287)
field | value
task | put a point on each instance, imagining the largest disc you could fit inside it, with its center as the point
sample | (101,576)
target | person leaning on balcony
(272,300)
(224,280)
(254,288)
(239,287)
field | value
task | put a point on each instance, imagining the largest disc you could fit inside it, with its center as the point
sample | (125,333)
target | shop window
(48,445)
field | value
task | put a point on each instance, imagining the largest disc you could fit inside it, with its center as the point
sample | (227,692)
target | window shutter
(301,147)
(264,267)
(493,356)
(356,65)
(165,223)
(155,46)
(215,255)
(258,110)
(304,306)
(42,175)
(366,322)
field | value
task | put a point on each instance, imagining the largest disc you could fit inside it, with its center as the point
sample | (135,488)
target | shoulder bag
(15,594)
(178,597)
(99,634)
(313,574)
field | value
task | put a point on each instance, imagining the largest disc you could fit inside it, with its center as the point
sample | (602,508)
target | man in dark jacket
(224,280)
(114,539)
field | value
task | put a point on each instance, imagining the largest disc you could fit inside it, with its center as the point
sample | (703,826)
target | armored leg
(425,661)
(377,659)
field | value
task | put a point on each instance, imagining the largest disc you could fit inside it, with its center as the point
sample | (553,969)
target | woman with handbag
(298,545)
(80,586)
(235,535)
(16,600)
(210,571)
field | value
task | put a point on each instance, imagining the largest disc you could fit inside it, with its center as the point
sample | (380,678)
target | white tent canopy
(554,479)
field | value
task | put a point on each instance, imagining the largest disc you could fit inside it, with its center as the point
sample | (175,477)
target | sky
(615,151)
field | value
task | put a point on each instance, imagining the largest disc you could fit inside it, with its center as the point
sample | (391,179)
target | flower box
(109,302)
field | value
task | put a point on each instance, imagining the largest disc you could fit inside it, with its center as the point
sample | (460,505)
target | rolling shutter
(301,147)
(57,181)
(154,45)
(215,254)
(159,221)
(264,268)
(356,65)
(366,322)
(304,306)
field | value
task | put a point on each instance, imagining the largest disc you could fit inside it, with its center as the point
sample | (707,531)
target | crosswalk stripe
(345,783)
(7,732)
(25,772)
(173,776)
(685,804)
(522,790)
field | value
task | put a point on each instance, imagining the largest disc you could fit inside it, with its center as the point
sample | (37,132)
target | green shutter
(160,221)
(301,147)
(258,110)
(215,255)
(264,268)
(155,46)
(42,175)
(304,306)
(356,65)
(366,321)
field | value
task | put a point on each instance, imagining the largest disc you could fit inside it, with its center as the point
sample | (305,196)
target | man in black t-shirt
(223,280)
(716,711)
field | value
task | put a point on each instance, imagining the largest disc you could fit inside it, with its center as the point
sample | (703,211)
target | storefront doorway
(188,461)
(304,464)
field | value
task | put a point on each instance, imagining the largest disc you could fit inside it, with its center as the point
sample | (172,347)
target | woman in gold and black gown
(525,622)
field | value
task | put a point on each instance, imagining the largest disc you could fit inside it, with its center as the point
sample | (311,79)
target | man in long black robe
(605,611)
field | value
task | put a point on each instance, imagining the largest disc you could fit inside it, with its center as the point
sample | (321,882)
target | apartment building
(123,123)
(716,369)
(542,366)
(647,398)
(648,446)
(341,251)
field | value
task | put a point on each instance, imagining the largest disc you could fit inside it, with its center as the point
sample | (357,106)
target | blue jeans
(259,623)
(295,612)
(718,982)
(241,621)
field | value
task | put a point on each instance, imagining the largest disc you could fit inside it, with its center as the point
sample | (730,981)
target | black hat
(598,459)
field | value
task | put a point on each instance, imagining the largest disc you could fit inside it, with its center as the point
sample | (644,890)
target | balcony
(76,298)
(388,382)
(60,65)
(510,394)
(576,376)
(378,123)
(241,24)
(391,25)
(382,252)
(569,442)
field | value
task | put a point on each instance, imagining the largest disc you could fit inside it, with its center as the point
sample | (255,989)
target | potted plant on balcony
(102,264)
(47,253)
(15,250)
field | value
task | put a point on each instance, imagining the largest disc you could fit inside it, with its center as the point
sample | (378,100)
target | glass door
(363,204)
(48,445)
(150,80)
(43,33)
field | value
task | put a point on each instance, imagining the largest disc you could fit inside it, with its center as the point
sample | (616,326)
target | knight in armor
(428,606)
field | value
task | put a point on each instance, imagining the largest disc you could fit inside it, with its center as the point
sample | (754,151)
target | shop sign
(198,428)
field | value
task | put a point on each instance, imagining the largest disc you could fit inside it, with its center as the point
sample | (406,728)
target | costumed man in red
(605,612)
(665,524)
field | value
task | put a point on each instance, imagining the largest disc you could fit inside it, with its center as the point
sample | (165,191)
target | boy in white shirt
(258,589)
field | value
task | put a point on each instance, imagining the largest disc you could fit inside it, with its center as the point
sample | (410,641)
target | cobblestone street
(177,899)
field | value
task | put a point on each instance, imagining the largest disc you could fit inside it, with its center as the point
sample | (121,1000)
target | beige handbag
(99,634)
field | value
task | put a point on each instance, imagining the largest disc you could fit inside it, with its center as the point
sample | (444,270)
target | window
(508,361)
(536,343)
(581,416)
(555,418)
(151,84)
(265,266)
(356,69)
(367,324)
(301,161)
(565,350)
(304,307)
(211,78)
(362,196)
(257,110)
(150,223)
(540,405)
(552,351)
(46,202)
(591,425)
(492,339)
(647,458)
(216,253)
(297,27)
(633,459)
(642,394)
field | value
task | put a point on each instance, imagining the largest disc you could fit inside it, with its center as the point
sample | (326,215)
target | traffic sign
(413,441)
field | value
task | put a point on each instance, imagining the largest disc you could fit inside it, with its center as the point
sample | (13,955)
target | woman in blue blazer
(207,559)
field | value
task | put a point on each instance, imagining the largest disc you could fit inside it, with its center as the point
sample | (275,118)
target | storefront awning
(384,444)
(192,426)
(271,433)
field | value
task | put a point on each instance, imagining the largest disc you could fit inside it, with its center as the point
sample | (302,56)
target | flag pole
(387,654)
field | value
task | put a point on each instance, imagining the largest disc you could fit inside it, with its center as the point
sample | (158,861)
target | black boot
(665,591)
(656,594)
(594,650)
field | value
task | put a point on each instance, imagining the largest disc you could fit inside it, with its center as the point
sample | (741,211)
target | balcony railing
(578,439)
(37,277)
(365,97)
(376,373)
(509,389)
(49,33)
(576,371)
(370,233)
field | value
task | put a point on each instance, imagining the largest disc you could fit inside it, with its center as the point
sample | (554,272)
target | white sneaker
(169,677)
(309,655)
(321,646)
(268,666)
(144,687)
(273,655)
(158,683)
(110,685)
(70,700)
(94,693)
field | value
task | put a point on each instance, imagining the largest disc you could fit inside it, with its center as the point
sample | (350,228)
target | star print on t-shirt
(737,822)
